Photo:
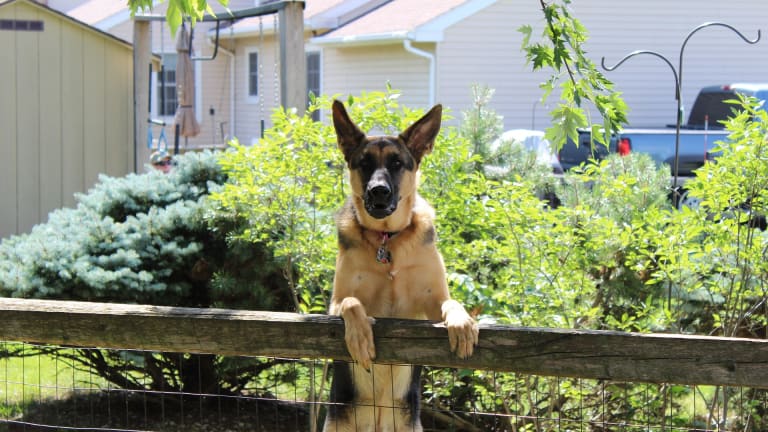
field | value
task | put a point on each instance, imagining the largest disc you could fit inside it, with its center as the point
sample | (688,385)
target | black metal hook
(703,26)
(678,74)
(720,24)
(215,45)
(640,52)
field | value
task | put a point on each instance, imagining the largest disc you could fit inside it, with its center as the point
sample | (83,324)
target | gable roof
(94,11)
(69,18)
(397,20)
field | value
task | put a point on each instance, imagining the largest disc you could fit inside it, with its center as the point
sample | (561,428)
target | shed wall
(66,114)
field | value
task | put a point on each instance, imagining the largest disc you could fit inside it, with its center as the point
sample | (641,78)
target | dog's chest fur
(386,398)
(381,287)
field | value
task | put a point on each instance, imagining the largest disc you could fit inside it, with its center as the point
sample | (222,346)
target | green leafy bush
(288,187)
(253,227)
(509,257)
(481,124)
(722,247)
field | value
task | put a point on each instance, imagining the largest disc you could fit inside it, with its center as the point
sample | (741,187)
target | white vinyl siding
(485,48)
(713,55)
(215,82)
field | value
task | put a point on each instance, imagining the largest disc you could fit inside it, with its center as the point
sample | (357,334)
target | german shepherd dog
(387,266)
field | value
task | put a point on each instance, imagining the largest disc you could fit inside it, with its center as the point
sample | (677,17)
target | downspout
(432,69)
(231,86)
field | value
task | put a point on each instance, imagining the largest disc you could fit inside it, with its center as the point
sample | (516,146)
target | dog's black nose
(380,199)
(380,194)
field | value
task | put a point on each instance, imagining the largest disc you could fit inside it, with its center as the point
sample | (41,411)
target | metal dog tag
(383,255)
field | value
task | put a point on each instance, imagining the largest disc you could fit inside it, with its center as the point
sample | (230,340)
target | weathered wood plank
(574,353)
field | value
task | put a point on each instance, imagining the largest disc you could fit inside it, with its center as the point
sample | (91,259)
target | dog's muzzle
(379,200)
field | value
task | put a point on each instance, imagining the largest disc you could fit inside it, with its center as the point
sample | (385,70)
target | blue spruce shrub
(147,238)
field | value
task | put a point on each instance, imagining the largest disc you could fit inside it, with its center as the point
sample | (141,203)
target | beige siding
(355,70)
(215,82)
(73,134)
(65,114)
(212,79)
(8,135)
(49,118)
(249,111)
(27,122)
(214,91)
(118,104)
(94,122)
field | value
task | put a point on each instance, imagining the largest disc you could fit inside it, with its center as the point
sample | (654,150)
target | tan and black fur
(388,266)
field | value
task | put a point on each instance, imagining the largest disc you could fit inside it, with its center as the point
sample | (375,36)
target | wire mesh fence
(49,387)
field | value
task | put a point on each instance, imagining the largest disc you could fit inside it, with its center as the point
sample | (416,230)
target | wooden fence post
(142,53)
(293,62)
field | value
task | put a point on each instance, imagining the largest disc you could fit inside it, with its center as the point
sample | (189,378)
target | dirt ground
(141,413)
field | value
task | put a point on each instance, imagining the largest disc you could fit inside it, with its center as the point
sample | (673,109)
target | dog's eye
(395,164)
(365,163)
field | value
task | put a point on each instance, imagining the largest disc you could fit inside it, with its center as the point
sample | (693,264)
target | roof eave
(377,38)
(75,21)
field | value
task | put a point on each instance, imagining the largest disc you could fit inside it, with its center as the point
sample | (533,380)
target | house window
(253,74)
(313,78)
(21,25)
(166,86)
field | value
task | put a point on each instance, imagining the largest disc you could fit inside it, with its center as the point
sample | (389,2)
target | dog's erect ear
(348,134)
(420,137)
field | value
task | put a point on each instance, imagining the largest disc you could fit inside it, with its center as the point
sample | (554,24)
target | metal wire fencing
(51,387)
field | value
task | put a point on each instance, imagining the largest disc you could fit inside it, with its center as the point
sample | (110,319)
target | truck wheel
(686,200)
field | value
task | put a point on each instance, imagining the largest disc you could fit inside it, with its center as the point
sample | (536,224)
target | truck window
(712,105)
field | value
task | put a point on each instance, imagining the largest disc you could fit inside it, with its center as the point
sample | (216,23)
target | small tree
(574,75)
(150,239)
(723,245)
(481,124)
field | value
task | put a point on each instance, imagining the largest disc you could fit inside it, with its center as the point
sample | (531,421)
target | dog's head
(383,169)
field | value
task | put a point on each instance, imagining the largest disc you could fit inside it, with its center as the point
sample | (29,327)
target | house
(434,50)
(431,50)
(66,111)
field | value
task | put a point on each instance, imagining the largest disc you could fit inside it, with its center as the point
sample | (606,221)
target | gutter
(367,39)
(231,85)
(389,38)
(432,68)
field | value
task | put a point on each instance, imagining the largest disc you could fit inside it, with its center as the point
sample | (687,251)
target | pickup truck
(697,137)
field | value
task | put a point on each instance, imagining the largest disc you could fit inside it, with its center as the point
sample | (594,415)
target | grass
(38,378)
(48,389)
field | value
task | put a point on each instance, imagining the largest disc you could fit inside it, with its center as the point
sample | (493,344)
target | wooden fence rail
(616,356)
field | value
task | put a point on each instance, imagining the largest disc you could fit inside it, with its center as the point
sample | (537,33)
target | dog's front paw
(358,333)
(462,330)
(359,338)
